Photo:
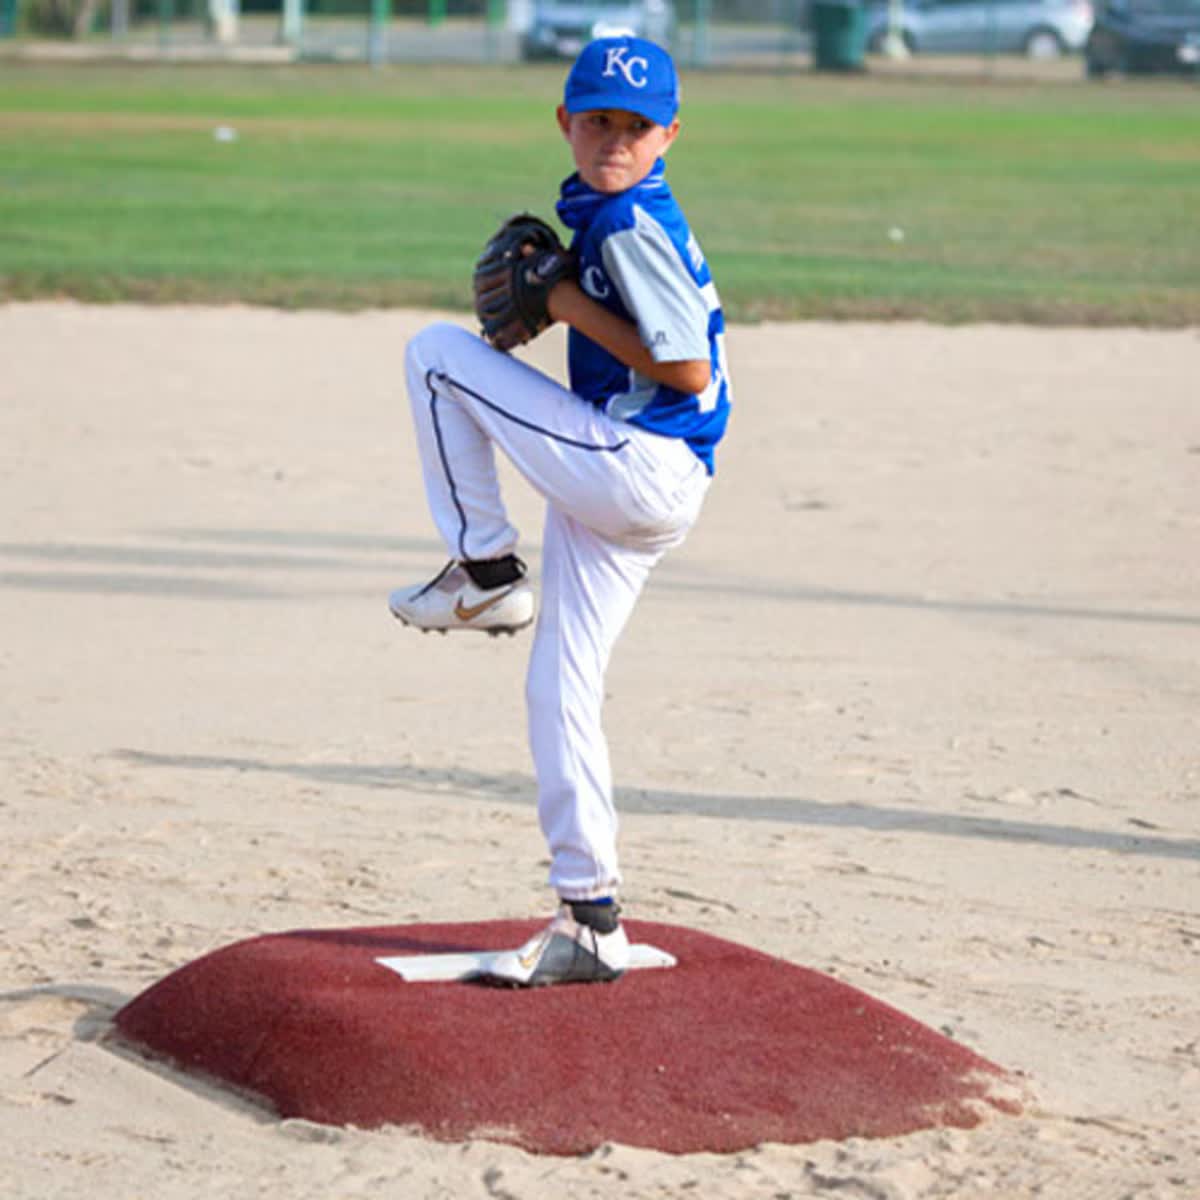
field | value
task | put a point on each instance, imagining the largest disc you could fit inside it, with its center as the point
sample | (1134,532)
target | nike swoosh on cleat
(531,955)
(468,612)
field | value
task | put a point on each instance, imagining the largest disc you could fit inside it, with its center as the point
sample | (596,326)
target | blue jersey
(638,258)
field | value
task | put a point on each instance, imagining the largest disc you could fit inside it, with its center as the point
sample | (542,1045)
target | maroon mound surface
(728,1049)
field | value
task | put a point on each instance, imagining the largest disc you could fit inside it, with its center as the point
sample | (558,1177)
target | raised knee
(434,344)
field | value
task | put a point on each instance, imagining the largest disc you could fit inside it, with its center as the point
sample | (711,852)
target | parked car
(1038,28)
(561,28)
(1145,35)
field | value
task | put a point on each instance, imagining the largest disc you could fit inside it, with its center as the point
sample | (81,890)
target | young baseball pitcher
(623,459)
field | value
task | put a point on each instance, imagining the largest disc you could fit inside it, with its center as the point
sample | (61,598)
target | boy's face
(614,149)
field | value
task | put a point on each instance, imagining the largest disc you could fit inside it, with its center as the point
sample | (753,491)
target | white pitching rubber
(446,968)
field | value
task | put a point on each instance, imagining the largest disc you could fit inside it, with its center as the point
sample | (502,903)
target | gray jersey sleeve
(655,285)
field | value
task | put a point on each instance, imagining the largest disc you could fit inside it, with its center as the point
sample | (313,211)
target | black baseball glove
(522,261)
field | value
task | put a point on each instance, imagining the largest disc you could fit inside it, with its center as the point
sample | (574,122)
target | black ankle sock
(488,573)
(600,915)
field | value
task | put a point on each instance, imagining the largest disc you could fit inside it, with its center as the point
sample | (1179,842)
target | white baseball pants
(617,498)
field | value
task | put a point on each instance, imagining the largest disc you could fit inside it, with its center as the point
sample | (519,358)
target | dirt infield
(916,706)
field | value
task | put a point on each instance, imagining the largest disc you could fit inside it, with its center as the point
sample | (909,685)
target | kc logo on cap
(624,72)
(636,69)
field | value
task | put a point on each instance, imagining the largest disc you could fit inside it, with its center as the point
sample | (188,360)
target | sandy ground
(917,705)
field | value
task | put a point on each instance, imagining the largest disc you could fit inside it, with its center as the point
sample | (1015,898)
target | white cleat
(452,600)
(566,951)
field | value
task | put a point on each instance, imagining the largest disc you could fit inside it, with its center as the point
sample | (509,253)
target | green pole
(8,18)
(437,12)
(700,40)
(495,19)
(166,17)
(381,15)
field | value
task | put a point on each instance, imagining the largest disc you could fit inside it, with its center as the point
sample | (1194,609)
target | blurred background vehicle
(561,28)
(1037,28)
(1145,36)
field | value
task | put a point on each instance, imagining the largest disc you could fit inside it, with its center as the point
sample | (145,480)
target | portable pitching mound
(727,1049)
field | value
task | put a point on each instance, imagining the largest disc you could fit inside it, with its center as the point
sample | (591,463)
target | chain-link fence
(700,32)
(755,34)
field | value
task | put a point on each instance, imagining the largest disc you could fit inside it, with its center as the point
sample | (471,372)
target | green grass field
(345,187)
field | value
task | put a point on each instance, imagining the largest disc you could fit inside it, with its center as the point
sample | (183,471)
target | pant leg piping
(441,445)
(442,377)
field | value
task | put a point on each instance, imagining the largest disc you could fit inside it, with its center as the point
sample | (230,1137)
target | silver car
(1038,28)
(561,28)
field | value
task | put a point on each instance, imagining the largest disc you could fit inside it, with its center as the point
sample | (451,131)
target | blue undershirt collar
(579,201)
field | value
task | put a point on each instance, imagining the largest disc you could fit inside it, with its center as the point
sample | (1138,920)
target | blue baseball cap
(624,72)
